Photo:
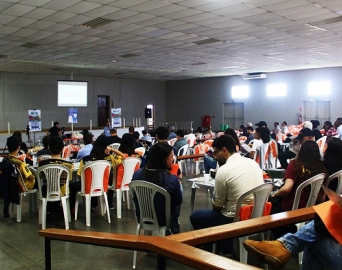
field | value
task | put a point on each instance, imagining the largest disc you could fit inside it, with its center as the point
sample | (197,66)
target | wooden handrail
(190,156)
(162,246)
(242,228)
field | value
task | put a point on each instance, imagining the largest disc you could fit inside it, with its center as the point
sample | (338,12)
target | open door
(103,110)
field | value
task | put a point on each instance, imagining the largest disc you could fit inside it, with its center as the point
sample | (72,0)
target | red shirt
(288,200)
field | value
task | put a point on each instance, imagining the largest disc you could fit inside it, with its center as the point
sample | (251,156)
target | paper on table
(193,179)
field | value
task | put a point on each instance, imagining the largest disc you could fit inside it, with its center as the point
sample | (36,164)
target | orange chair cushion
(88,175)
(120,172)
(246,211)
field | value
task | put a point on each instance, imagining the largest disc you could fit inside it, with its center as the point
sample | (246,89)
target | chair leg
(87,199)
(33,202)
(65,212)
(40,211)
(76,206)
(118,203)
(44,202)
(137,232)
(19,207)
(106,206)
(128,201)
(243,252)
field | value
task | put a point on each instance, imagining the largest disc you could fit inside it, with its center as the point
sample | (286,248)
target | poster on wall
(116,117)
(72,115)
(35,120)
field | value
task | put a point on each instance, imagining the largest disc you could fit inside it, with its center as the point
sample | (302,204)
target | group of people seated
(235,175)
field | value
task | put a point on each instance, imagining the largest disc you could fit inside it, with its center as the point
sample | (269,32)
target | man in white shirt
(338,125)
(284,128)
(235,176)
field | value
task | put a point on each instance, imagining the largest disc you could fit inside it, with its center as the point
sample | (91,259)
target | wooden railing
(179,247)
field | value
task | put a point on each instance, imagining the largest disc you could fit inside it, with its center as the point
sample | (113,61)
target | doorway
(316,110)
(233,114)
(102,110)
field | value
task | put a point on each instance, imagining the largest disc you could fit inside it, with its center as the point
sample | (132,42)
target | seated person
(333,159)
(88,146)
(181,141)
(172,133)
(261,135)
(157,172)
(113,138)
(306,165)
(315,124)
(13,144)
(250,134)
(45,150)
(137,143)
(321,243)
(146,137)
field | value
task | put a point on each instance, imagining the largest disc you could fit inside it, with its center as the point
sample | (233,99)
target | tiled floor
(22,248)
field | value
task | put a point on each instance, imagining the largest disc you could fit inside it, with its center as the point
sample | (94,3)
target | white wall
(22,92)
(205,96)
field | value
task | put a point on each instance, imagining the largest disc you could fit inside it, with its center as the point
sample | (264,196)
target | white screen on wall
(72,94)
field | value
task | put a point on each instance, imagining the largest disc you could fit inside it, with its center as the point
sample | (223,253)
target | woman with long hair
(333,159)
(261,136)
(307,164)
(157,171)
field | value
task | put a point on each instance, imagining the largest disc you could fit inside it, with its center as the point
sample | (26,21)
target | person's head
(136,135)
(13,144)
(262,134)
(208,128)
(305,134)
(327,125)
(131,129)
(87,139)
(224,146)
(113,132)
(338,122)
(199,130)
(162,133)
(144,132)
(85,131)
(56,145)
(172,128)
(99,147)
(242,127)
(18,135)
(315,124)
(46,141)
(309,150)
(108,123)
(231,132)
(284,123)
(55,124)
(307,124)
(334,150)
(261,124)
(161,156)
(127,144)
(250,130)
(180,133)
(276,124)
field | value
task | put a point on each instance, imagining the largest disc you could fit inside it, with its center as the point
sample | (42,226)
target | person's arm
(285,189)
(216,208)
(116,152)
(251,154)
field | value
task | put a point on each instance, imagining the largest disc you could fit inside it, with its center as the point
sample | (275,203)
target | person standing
(107,128)
(55,130)
(235,176)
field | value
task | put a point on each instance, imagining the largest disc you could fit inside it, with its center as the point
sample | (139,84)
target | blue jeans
(209,163)
(206,218)
(319,250)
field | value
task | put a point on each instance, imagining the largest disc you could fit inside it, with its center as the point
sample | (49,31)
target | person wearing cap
(261,124)
(305,134)
(330,130)
(307,124)
(249,124)
(284,128)
(307,164)
(107,128)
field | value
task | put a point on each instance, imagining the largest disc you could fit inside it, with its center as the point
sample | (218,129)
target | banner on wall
(72,115)
(116,117)
(35,120)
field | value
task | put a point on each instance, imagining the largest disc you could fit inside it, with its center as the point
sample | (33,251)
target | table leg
(47,253)
(192,200)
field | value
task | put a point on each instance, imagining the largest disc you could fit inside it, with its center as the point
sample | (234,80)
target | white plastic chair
(51,174)
(144,193)
(263,153)
(316,183)
(115,145)
(43,157)
(182,152)
(31,193)
(261,194)
(129,165)
(273,154)
(94,184)
(198,149)
(172,141)
(140,150)
(66,152)
(337,175)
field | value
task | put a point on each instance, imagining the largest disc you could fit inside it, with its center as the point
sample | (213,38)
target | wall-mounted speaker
(148,113)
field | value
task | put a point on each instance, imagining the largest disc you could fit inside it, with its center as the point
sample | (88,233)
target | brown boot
(272,253)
